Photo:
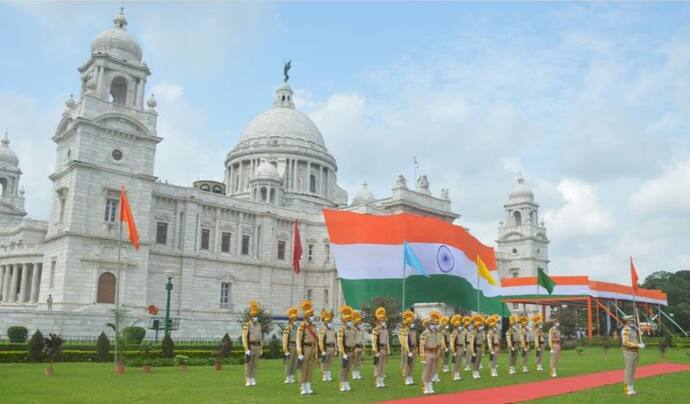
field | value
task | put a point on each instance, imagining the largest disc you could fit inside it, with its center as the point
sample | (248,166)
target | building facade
(221,243)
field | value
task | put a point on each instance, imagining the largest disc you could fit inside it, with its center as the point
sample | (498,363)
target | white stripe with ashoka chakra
(385,261)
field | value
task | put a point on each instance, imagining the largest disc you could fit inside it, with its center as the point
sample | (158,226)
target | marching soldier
(445,332)
(555,345)
(347,339)
(467,324)
(252,337)
(327,342)
(477,345)
(307,348)
(457,345)
(513,342)
(539,342)
(524,342)
(359,346)
(408,346)
(380,346)
(493,340)
(631,353)
(429,350)
(290,346)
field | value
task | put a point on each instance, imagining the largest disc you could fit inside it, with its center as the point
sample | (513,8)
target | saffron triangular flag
(296,249)
(483,271)
(126,216)
(545,281)
(633,275)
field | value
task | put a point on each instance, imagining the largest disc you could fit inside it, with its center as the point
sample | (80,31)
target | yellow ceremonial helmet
(307,308)
(381,314)
(537,319)
(326,316)
(346,313)
(292,313)
(524,320)
(435,317)
(478,320)
(513,319)
(426,321)
(254,308)
(456,320)
(491,321)
(444,320)
(357,317)
(466,321)
(407,317)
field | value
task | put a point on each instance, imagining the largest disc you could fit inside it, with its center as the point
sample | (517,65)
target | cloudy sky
(589,101)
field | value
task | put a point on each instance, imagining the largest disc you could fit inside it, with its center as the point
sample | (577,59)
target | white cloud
(666,194)
(581,215)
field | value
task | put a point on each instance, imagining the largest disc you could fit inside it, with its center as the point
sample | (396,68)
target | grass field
(97,383)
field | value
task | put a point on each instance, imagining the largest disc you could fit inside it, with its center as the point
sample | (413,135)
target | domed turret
(521,191)
(7,156)
(117,42)
(266,170)
(364,196)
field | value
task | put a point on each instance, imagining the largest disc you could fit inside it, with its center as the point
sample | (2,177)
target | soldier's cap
(381,314)
(434,317)
(292,313)
(408,316)
(456,320)
(307,308)
(356,317)
(326,316)
(425,321)
(466,320)
(524,319)
(628,317)
(254,308)
(346,313)
(537,319)
(491,321)
(478,319)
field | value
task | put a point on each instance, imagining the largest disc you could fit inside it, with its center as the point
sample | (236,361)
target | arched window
(533,217)
(517,218)
(106,288)
(3,185)
(217,189)
(254,196)
(273,195)
(312,183)
(118,90)
(205,187)
(263,194)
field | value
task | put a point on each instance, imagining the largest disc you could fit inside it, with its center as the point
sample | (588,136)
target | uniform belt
(292,344)
(255,343)
(329,345)
(382,346)
(359,346)
(431,350)
(557,341)
(307,344)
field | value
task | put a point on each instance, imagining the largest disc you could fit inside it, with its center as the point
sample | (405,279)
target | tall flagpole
(637,317)
(292,288)
(404,277)
(117,286)
(478,310)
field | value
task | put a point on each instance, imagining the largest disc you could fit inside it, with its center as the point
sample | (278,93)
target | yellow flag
(483,271)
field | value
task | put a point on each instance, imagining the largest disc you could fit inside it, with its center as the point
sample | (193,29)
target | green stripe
(447,289)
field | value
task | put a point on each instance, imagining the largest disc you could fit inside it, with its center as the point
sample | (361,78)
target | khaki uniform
(380,346)
(555,347)
(457,348)
(524,346)
(307,346)
(493,341)
(327,341)
(252,338)
(408,347)
(477,348)
(290,348)
(347,340)
(468,353)
(429,349)
(446,352)
(513,342)
(444,345)
(539,345)
(359,350)
(631,353)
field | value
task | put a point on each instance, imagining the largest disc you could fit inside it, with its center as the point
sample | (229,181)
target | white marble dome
(7,156)
(117,42)
(280,121)
(364,196)
(521,190)
(266,170)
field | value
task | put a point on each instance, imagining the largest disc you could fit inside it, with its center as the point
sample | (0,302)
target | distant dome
(521,191)
(364,196)
(117,42)
(286,122)
(266,170)
(7,156)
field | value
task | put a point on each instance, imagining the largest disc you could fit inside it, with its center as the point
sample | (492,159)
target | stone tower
(104,141)
(11,194)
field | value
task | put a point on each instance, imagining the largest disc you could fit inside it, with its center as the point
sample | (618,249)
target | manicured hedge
(17,333)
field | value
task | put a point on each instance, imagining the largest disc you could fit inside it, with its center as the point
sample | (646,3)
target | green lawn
(91,382)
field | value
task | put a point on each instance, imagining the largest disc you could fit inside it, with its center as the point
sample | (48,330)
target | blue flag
(410,259)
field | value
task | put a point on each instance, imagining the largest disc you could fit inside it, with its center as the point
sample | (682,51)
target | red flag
(633,275)
(126,216)
(296,249)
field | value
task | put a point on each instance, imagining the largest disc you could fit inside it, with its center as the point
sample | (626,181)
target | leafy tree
(392,307)
(134,335)
(225,346)
(52,347)
(570,318)
(35,347)
(102,347)
(677,287)
(17,333)
(264,319)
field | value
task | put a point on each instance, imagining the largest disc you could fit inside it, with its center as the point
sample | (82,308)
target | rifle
(247,357)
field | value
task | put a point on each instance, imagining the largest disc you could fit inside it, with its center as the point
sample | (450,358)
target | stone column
(13,284)
(36,281)
(6,284)
(2,282)
(24,287)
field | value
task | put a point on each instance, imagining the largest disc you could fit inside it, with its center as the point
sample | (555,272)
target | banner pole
(117,288)
(404,278)
(478,308)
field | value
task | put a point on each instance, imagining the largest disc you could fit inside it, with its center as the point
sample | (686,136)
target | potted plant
(52,347)
(146,356)
(182,361)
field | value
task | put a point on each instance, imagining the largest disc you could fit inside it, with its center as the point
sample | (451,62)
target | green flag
(544,280)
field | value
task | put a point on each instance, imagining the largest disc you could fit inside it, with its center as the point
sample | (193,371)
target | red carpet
(552,387)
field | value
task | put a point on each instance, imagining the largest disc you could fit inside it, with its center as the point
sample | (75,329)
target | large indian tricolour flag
(368,251)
